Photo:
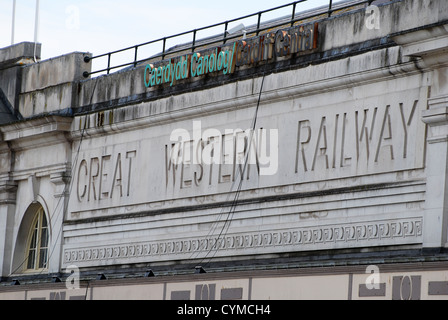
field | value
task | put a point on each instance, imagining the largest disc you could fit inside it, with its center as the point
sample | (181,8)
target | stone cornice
(36,133)
(35,127)
(437,116)
(430,43)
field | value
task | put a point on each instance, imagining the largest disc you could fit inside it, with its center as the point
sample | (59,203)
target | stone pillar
(436,207)
(61,184)
(7,210)
(427,48)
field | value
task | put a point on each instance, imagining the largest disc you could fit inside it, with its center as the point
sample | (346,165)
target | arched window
(37,244)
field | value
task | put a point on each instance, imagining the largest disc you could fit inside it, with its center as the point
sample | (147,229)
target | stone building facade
(309,162)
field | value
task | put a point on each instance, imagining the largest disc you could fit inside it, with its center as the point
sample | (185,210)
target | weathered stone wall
(350,153)
(12,59)
(51,86)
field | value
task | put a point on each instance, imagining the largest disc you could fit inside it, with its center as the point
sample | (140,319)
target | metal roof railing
(225,36)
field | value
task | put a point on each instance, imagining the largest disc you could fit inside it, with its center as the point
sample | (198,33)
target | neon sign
(223,60)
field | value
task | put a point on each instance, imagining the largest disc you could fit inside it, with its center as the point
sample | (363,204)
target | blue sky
(100,26)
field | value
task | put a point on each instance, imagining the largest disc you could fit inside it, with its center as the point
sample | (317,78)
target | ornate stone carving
(306,238)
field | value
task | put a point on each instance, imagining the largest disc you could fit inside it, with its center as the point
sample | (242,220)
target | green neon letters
(166,74)
(194,65)
(214,62)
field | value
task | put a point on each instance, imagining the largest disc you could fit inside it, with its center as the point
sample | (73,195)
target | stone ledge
(35,127)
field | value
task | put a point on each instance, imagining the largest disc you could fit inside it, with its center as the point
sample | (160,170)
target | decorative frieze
(366,234)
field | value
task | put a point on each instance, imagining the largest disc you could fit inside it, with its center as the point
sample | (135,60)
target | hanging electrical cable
(234,204)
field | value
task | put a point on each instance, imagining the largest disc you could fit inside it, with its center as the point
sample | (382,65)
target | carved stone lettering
(361,138)
(104,177)
(217,158)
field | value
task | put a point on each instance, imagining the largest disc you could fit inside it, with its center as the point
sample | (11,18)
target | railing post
(225,32)
(108,63)
(194,40)
(135,56)
(330,7)
(293,13)
(164,48)
(259,23)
